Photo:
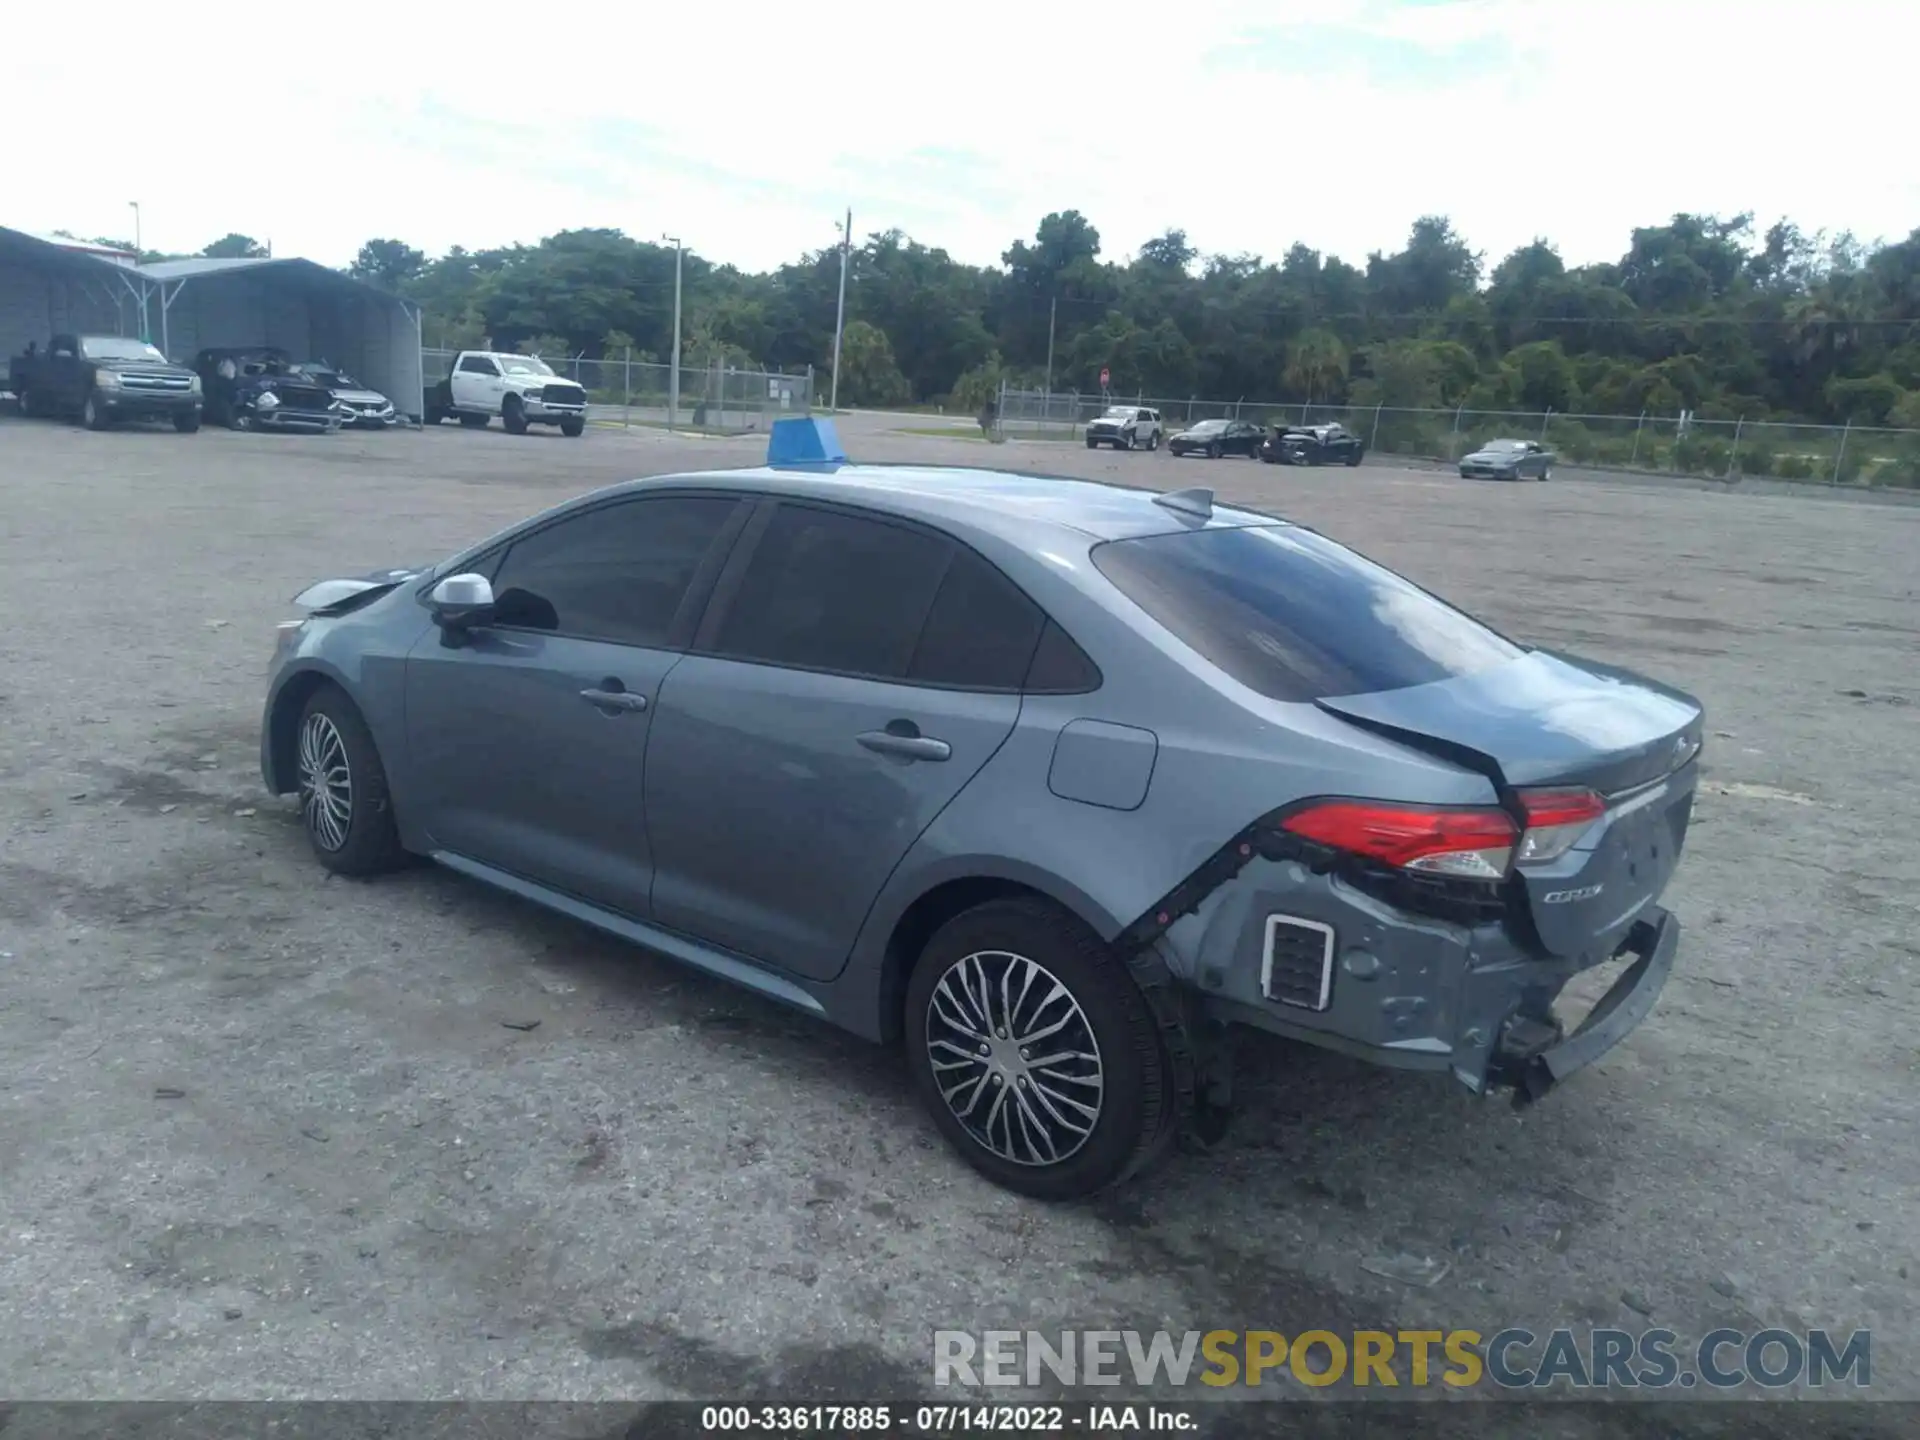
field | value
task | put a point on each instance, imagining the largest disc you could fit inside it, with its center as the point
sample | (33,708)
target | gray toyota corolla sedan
(1054,781)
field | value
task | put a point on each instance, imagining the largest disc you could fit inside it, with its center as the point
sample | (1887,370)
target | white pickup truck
(521,389)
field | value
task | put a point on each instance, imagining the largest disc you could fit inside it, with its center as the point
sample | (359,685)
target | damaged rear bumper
(1530,1070)
(1283,947)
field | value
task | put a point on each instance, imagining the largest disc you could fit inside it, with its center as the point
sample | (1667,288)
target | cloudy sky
(746,127)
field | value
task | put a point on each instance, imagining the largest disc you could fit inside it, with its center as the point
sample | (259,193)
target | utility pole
(146,329)
(1053,307)
(673,382)
(840,319)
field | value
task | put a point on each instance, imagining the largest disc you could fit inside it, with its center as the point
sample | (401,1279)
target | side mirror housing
(461,602)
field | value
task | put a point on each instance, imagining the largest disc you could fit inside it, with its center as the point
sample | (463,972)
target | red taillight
(1474,844)
(1555,819)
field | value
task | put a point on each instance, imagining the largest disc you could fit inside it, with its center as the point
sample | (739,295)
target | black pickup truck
(101,379)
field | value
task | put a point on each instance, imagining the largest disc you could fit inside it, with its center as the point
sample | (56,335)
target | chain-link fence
(1837,454)
(716,399)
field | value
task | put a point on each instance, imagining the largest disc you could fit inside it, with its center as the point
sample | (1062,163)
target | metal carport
(47,289)
(306,309)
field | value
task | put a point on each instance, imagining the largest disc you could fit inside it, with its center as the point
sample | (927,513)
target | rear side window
(828,591)
(1294,616)
(981,632)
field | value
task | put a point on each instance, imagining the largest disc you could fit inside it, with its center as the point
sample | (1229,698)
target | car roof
(1017,507)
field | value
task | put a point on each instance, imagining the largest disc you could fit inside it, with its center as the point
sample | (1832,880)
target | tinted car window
(1060,667)
(1295,616)
(981,632)
(615,573)
(828,591)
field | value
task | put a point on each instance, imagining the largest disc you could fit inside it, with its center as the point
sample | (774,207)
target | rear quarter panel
(1225,756)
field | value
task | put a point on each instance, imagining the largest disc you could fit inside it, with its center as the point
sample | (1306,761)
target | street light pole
(840,319)
(1053,307)
(137,250)
(673,383)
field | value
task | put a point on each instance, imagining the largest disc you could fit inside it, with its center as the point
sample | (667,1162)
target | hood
(151,367)
(1495,457)
(538,382)
(329,595)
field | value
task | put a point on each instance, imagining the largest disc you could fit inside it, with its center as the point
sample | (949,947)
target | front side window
(830,591)
(616,573)
(478,365)
(1295,616)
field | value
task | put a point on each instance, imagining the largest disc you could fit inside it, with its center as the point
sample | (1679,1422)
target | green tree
(235,247)
(869,376)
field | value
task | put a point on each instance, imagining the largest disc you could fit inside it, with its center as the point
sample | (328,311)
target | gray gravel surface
(268,1134)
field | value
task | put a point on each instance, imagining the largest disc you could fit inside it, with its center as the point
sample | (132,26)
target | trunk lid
(1544,720)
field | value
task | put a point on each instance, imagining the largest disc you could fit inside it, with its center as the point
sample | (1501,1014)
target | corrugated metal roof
(36,250)
(201,266)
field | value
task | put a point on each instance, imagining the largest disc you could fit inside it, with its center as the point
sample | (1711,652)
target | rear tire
(345,807)
(1100,1106)
(23,402)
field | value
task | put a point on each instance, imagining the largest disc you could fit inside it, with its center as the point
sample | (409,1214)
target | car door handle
(907,747)
(614,699)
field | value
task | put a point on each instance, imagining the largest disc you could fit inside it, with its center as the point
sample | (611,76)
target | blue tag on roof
(804,441)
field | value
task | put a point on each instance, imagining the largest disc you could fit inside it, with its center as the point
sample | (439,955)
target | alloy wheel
(326,782)
(1015,1058)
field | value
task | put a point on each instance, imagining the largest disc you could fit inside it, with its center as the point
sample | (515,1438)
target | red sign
(1103,377)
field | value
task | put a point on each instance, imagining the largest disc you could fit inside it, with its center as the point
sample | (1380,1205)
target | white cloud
(745,127)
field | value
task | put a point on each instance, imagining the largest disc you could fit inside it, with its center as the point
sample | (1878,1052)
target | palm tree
(1316,364)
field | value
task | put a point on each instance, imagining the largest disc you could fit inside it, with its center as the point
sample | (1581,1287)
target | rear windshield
(1294,616)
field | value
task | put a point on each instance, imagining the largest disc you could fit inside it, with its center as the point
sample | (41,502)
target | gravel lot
(266,1134)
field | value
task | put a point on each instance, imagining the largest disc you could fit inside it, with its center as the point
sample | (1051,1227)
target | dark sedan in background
(1331,444)
(1508,460)
(1214,438)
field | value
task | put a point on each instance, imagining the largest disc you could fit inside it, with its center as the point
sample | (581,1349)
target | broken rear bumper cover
(1305,955)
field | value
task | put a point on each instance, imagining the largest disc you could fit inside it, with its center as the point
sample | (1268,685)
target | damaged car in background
(260,388)
(361,408)
(1260,781)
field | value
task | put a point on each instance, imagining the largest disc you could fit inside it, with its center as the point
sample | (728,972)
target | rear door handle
(907,747)
(614,699)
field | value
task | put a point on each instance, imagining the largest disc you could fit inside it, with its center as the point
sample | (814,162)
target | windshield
(1208,427)
(111,347)
(1119,412)
(524,365)
(1506,446)
(333,379)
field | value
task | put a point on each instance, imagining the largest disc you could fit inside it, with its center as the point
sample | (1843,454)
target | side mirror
(460,602)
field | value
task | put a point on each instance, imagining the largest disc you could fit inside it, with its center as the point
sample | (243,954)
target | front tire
(1213,451)
(1092,1110)
(93,416)
(573,427)
(1353,459)
(345,807)
(1092,444)
(187,422)
(513,415)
